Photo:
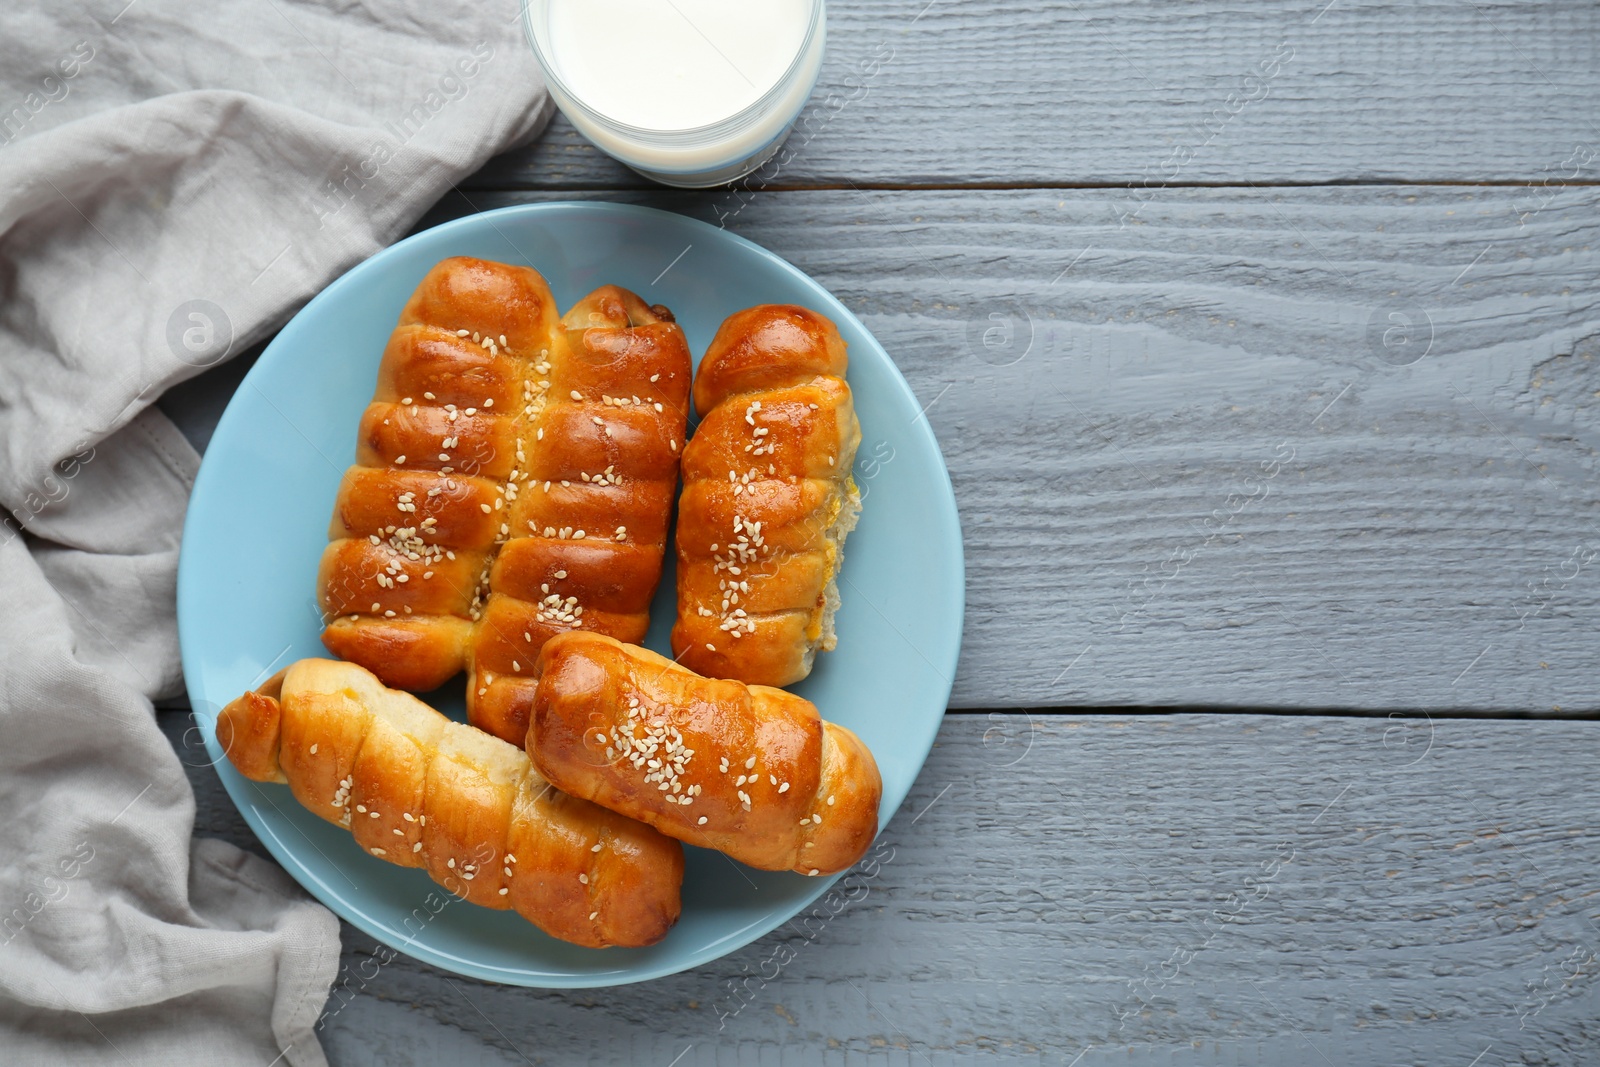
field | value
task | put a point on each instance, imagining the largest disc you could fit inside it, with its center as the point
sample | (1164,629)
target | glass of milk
(692,93)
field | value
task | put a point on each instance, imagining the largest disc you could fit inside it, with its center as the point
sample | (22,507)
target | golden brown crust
(752,771)
(598,464)
(498,429)
(766,347)
(767,498)
(418,790)
(421,654)
(247,732)
(418,518)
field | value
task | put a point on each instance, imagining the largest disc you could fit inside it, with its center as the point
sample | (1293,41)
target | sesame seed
(417,847)
(784,788)
(596,847)
(451,863)
(399,832)
(379,852)
(408,817)
(751,762)
(400,461)
(584,878)
(701,821)
(815,871)
(406,401)
(362,808)
(313,750)
(830,802)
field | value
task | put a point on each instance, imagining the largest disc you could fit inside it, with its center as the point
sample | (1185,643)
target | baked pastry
(419,515)
(768,498)
(752,771)
(597,468)
(419,790)
(469,446)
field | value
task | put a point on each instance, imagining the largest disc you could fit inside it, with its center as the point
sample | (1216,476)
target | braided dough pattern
(767,498)
(419,790)
(513,479)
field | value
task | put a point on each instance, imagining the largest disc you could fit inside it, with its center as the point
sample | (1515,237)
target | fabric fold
(175,179)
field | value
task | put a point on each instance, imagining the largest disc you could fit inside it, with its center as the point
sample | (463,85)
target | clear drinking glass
(701,156)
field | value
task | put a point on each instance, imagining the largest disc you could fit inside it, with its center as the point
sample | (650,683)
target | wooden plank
(1103,92)
(1212,889)
(1192,450)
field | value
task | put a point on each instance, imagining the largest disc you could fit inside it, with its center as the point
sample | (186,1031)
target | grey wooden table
(1260,342)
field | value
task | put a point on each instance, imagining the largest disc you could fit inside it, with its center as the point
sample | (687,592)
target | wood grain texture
(1100,91)
(1211,889)
(1316,448)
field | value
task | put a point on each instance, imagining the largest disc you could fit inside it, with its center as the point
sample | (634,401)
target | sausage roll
(419,790)
(597,467)
(768,498)
(752,771)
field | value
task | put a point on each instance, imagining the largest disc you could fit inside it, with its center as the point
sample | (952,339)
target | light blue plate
(258,523)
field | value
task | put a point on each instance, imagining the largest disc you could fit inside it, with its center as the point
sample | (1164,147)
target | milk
(690,92)
(674,64)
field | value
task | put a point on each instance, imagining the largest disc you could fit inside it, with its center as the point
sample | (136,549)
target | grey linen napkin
(176,176)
